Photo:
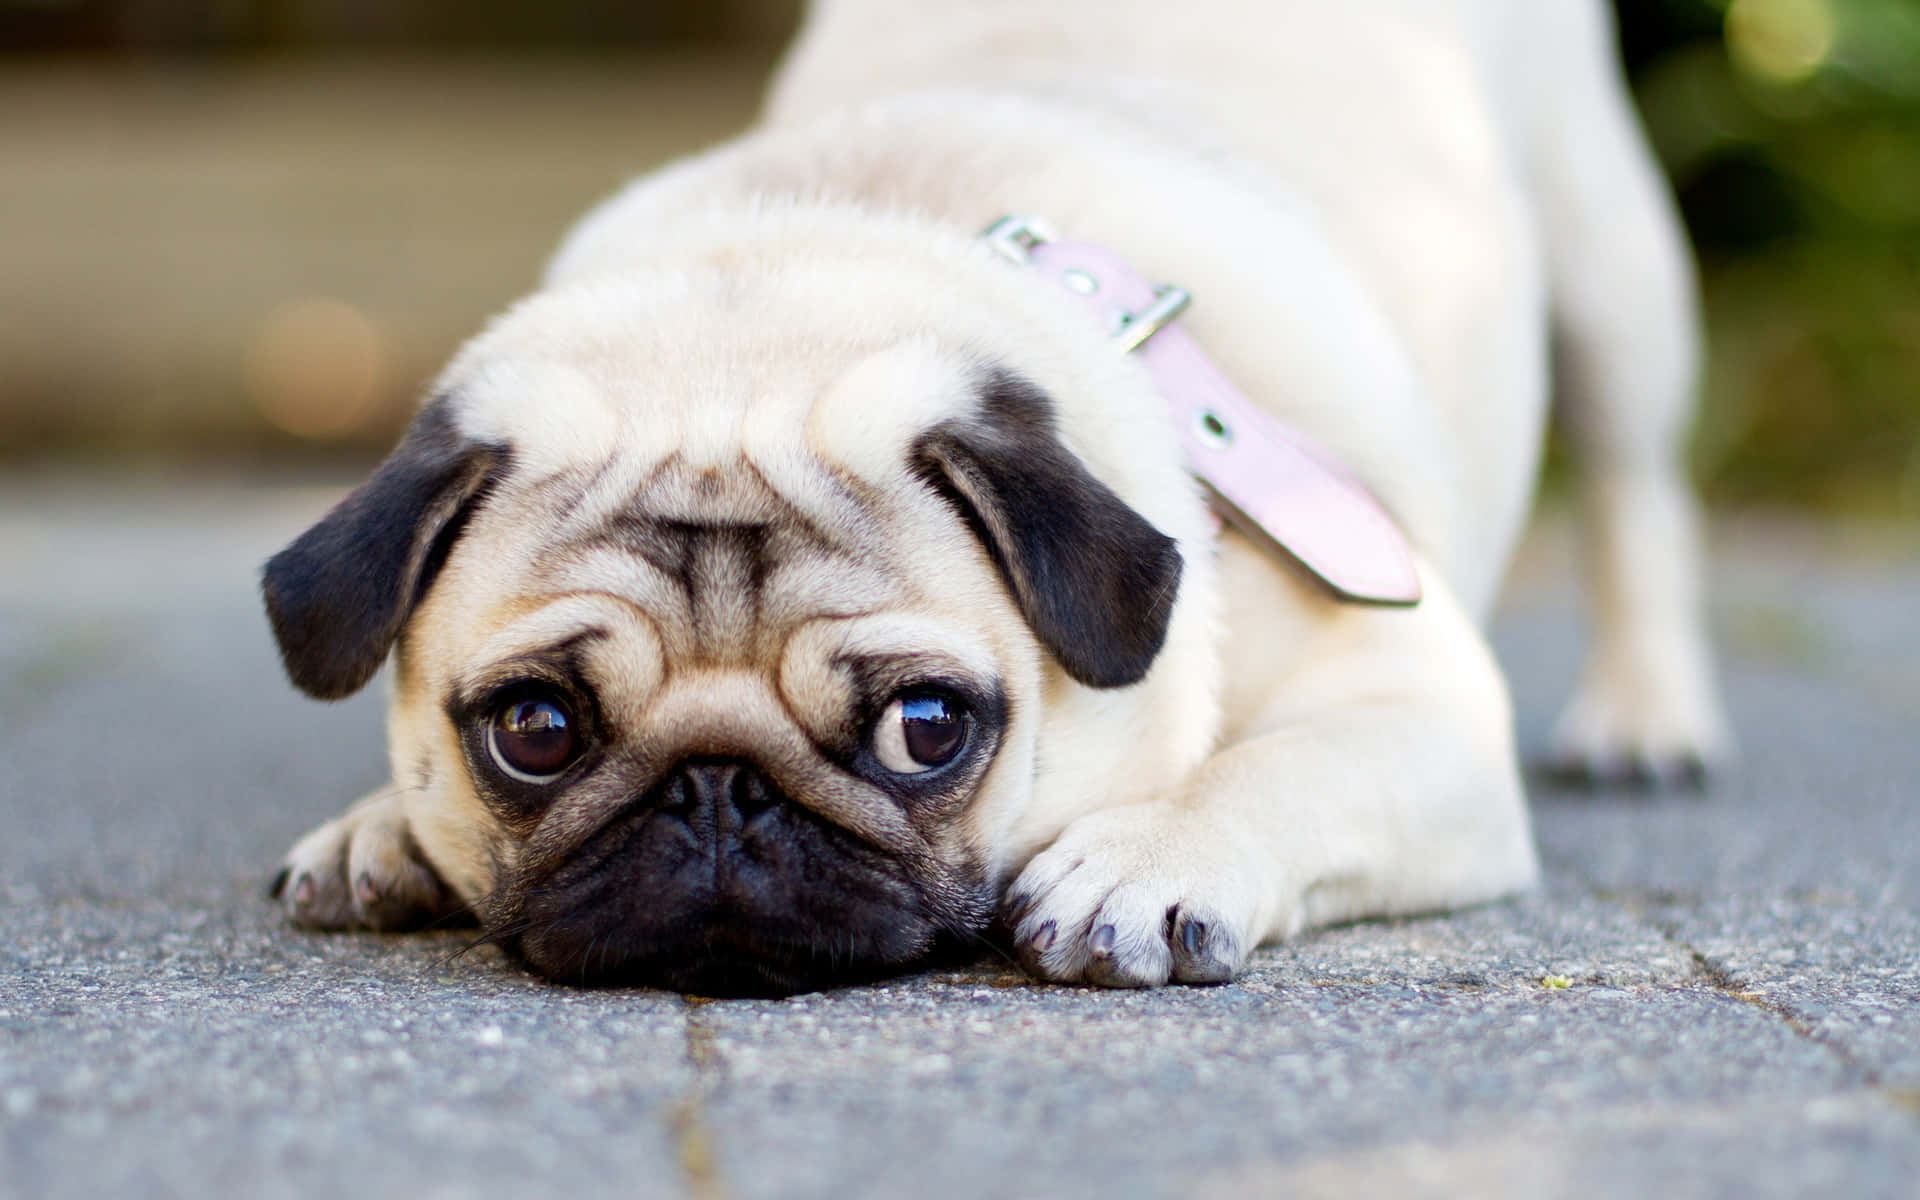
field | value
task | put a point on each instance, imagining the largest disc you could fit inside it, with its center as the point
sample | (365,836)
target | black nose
(717,797)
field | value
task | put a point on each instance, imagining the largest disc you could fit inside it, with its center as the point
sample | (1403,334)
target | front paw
(1138,897)
(363,870)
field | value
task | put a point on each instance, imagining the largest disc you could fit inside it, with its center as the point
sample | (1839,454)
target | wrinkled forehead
(723,565)
(729,461)
(743,487)
(705,377)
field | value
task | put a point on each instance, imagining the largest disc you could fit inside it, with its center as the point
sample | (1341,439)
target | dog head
(725,619)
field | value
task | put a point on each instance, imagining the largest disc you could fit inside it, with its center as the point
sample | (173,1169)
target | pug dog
(792,586)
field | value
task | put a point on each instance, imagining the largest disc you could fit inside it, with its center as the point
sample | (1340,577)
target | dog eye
(919,731)
(532,738)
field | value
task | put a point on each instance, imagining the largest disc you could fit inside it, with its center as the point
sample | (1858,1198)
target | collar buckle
(1016,238)
(1267,478)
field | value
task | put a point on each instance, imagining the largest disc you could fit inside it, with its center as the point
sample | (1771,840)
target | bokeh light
(1783,41)
(317,368)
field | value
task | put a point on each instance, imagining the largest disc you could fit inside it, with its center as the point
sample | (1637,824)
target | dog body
(846,574)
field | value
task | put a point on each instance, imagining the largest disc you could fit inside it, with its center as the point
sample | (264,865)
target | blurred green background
(249,230)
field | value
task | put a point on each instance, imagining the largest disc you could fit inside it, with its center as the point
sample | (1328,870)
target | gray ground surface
(1743,1014)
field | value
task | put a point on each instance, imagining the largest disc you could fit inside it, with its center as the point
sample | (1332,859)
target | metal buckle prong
(1135,328)
(1015,237)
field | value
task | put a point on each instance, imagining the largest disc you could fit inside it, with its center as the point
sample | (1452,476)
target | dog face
(722,644)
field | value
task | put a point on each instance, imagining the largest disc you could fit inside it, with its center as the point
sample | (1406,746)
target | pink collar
(1267,478)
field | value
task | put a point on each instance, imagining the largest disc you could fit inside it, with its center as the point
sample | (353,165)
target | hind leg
(1627,353)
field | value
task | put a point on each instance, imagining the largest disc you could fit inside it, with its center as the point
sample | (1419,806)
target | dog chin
(749,970)
(724,959)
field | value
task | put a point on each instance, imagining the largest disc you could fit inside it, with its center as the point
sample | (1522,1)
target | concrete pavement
(1712,995)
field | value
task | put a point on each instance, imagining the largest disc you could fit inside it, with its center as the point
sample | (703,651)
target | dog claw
(1639,772)
(1202,953)
(1691,773)
(1193,935)
(1042,939)
(279,884)
(1100,942)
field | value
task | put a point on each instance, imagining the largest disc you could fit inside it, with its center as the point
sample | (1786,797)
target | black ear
(339,594)
(1095,581)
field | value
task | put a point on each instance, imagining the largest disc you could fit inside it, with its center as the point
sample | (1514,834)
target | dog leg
(363,870)
(1377,777)
(1627,360)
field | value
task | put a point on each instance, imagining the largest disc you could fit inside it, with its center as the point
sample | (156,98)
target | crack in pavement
(1728,984)
(692,1140)
(1724,981)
